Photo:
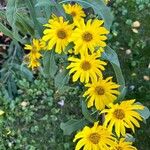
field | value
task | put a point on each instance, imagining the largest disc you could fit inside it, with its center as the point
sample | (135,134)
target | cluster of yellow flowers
(88,37)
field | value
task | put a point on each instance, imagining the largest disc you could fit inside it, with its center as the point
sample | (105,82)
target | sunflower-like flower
(123,145)
(107,1)
(122,116)
(57,33)
(87,67)
(89,36)
(75,10)
(34,54)
(95,138)
(101,92)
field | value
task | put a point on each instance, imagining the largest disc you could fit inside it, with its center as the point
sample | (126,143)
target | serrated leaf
(72,125)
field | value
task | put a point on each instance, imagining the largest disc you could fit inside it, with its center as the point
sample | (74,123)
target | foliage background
(32,119)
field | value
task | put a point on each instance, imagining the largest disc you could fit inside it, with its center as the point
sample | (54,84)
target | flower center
(94,138)
(119,148)
(86,65)
(73,14)
(119,114)
(100,90)
(61,34)
(87,36)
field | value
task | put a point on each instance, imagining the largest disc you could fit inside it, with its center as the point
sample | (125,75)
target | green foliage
(32,120)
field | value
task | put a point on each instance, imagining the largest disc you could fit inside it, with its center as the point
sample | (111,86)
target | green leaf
(59,9)
(34,17)
(145,113)
(2,14)
(61,79)
(25,23)
(11,11)
(111,56)
(86,112)
(49,64)
(129,138)
(44,3)
(99,8)
(72,125)
(6,31)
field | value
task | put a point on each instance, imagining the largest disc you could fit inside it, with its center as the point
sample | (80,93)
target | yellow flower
(1,112)
(33,63)
(74,10)
(87,67)
(34,49)
(122,116)
(123,145)
(101,93)
(57,34)
(95,138)
(106,1)
(89,36)
(34,55)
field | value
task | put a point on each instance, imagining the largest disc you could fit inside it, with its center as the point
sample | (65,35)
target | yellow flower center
(119,114)
(94,138)
(87,36)
(100,90)
(86,65)
(61,34)
(73,14)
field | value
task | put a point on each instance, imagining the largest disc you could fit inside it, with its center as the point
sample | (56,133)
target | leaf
(112,57)
(49,64)
(61,79)
(145,113)
(129,138)
(59,9)
(86,113)
(34,17)
(44,3)
(72,125)
(6,31)
(2,14)
(25,22)
(99,8)
(11,11)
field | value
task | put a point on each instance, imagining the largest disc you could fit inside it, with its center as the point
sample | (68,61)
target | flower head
(95,138)
(89,36)
(87,67)
(101,92)
(123,145)
(34,54)
(57,34)
(122,116)
(1,112)
(74,10)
